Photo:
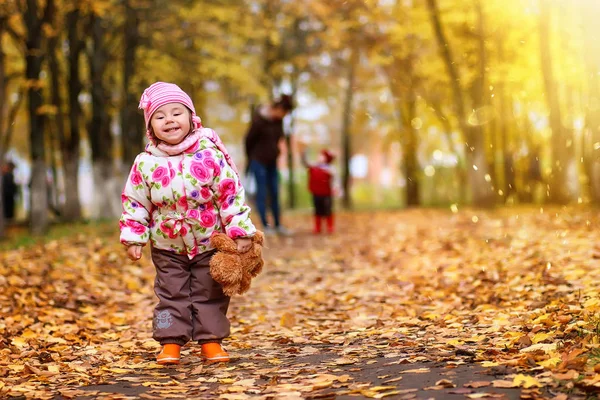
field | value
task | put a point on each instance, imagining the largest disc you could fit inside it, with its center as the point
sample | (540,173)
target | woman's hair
(155,138)
(285,101)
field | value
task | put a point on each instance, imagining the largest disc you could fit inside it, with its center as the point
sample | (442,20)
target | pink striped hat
(160,93)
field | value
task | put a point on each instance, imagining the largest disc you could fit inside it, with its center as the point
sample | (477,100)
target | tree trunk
(33,66)
(3,22)
(132,138)
(506,167)
(559,193)
(55,88)
(591,15)
(106,200)
(411,169)
(480,100)
(70,146)
(290,154)
(346,123)
(482,194)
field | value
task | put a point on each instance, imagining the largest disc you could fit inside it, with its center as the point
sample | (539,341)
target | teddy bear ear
(221,241)
(259,238)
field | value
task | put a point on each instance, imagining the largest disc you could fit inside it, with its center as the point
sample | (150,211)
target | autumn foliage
(512,291)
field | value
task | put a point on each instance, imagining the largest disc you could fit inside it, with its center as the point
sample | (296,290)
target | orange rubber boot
(169,354)
(213,352)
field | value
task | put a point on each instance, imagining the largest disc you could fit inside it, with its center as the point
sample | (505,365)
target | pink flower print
(183,231)
(227,187)
(207,219)
(194,214)
(227,202)
(193,252)
(205,193)
(136,178)
(136,227)
(182,201)
(124,198)
(159,173)
(199,172)
(166,229)
(172,173)
(236,231)
(165,181)
(210,163)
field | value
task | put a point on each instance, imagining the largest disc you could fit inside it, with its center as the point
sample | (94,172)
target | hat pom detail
(144,101)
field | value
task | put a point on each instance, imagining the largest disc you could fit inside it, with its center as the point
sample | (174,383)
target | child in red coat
(321,185)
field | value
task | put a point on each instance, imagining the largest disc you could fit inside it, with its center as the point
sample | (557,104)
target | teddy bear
(234,270)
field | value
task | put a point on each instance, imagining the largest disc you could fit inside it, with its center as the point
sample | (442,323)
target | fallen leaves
(517,292)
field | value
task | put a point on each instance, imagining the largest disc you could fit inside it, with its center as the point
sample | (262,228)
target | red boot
(329,220)
(317,228)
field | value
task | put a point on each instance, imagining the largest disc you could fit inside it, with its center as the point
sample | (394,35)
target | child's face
(321,158)
(171,123)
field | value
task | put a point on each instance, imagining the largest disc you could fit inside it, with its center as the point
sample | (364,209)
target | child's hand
(243,244)
(134,252)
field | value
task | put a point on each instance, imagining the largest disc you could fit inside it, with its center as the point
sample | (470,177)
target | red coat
(320,181)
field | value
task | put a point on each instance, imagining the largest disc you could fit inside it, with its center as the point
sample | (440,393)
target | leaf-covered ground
(408,304)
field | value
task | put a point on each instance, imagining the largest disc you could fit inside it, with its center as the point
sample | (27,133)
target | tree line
(485,81)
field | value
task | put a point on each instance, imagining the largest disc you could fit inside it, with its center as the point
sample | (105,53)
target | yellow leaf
(19,342)
(226,380)
(488,364)
(119,370)
(415,371)
(540,337)
(546,347)
(29,334)
(381,388)
(503,384)
(551,362)
(526,381)
(288,320)
(53,368)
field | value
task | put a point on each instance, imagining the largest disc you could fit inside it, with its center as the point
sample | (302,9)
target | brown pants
(191,305)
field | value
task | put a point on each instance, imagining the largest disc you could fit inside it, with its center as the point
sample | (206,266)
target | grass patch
(19,237)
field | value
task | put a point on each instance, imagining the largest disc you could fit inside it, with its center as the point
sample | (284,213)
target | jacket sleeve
(137,208)
(231,201)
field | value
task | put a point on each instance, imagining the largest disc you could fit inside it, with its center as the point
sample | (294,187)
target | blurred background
(426,102)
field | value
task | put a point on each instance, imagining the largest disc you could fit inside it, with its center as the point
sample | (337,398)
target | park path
(396,304)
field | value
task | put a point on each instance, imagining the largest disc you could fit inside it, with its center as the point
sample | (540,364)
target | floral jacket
(178,202)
